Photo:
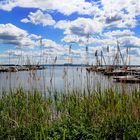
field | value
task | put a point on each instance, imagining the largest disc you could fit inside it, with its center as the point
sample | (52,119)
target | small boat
(33,68)
(127,79)
(3,70)
(96,69)
(22,68)
(101,69)
(119,72)
(136,73)
(12,69)
(92,69)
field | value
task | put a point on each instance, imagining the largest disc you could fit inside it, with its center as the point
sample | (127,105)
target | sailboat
(118,71)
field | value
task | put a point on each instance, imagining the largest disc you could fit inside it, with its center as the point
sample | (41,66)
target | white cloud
(39,18)
(110,13)
(10,34)
(11,30)
(34,37)
(106,14)
(63,24)
(3,56)
(66,7)
(82,40)
(10,4)
(80,26)
(108,10)
(118,34)
(131,41)
(50,44)
(120,13)
(126,38)
(74,39)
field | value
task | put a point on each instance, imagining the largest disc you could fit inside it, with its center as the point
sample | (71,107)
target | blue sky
(61,23)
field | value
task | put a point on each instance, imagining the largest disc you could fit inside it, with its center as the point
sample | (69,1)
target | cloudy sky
(63,23)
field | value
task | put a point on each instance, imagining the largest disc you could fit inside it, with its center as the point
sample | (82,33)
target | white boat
(127,79)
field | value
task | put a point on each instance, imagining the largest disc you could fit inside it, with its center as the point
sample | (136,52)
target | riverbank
(98,115)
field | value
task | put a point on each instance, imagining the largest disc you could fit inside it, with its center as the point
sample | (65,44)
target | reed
(108,114)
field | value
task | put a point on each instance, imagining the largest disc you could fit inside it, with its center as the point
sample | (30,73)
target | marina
(69,69)
(119,68)
(63,78)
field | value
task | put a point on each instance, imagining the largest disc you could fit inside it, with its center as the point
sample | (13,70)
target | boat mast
(70,59)
(108,55)
(102,58)
(41,51)
(121,54)
(126,56)
(97,60)
(117,56)
(87,61)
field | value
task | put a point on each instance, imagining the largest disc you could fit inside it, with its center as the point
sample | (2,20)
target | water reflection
(60,79)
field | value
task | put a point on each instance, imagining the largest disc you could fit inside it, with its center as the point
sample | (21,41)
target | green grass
(107,115)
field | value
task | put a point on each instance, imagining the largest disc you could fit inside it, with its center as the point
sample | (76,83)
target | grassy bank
(77,116)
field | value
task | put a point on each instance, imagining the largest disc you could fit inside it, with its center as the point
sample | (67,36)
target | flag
(70,49)
(86,48)
(41,41)
(118,48)
(107,48)
(127,50)
(55,59)
(96,52)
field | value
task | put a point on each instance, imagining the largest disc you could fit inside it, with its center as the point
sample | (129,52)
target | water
(60,79)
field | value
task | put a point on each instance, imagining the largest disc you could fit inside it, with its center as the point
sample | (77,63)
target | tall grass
(107,114)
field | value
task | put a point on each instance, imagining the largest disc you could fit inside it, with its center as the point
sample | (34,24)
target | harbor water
(60,79)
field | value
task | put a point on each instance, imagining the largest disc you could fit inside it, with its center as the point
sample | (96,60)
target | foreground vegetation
(76,116)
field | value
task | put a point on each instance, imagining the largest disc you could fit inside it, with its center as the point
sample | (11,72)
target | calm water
(60,78)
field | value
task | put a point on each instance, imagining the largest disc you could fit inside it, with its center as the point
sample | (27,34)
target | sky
(63,29)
